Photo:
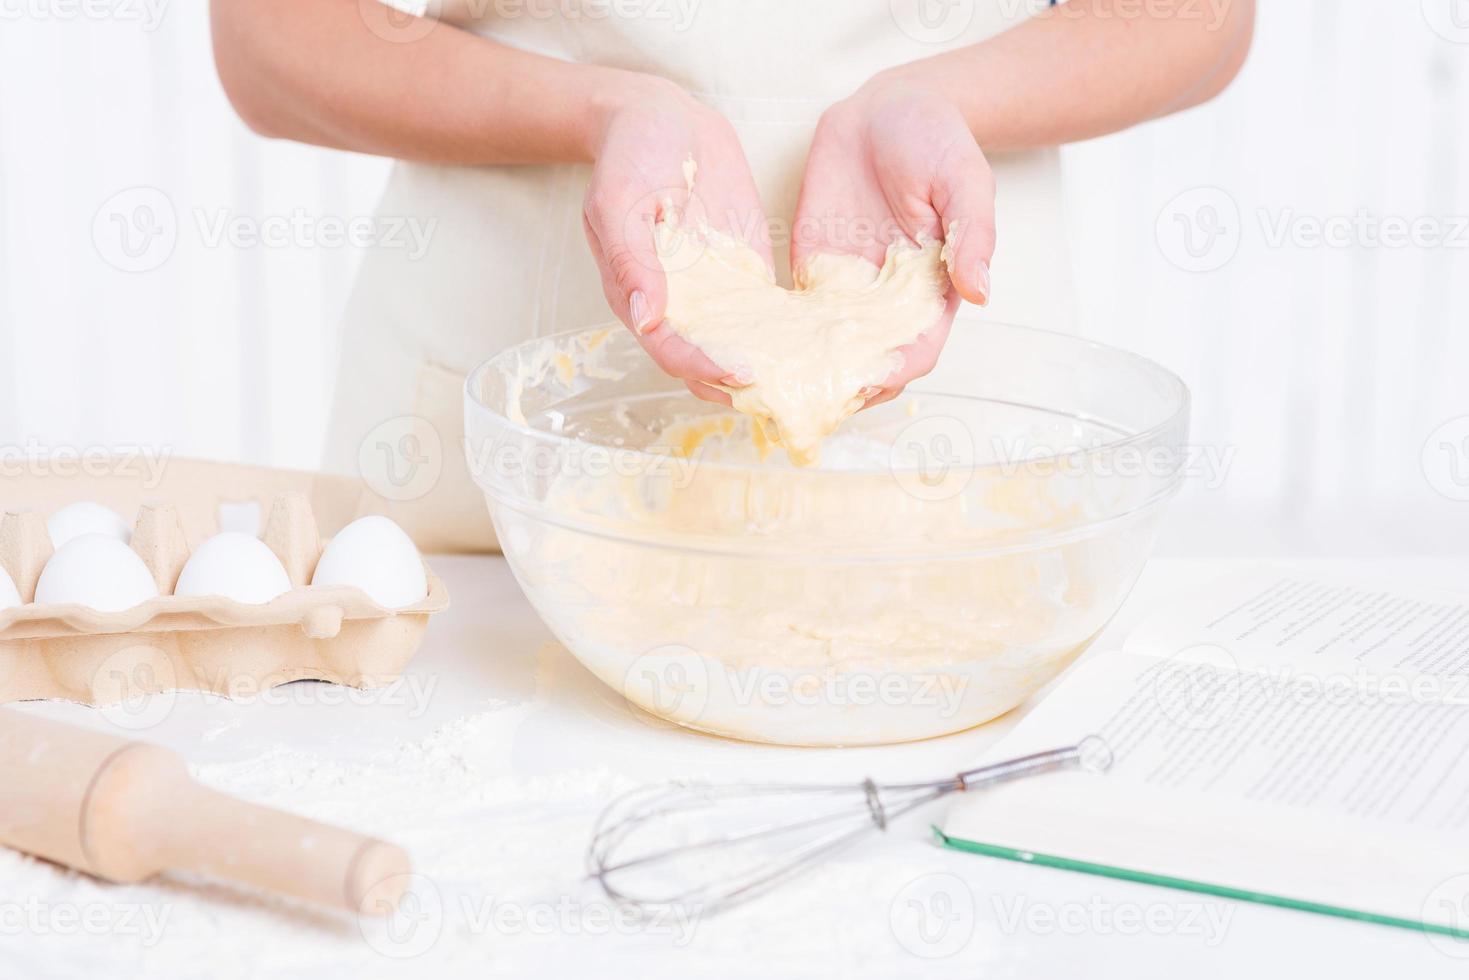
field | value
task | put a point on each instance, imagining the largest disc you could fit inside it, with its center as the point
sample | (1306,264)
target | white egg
(97,571)
(378,557)
(238,566)
(9,594)
(85,517)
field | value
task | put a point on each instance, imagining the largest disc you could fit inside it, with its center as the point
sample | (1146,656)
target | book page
(1235,780)
(1378,630)
(1389,758)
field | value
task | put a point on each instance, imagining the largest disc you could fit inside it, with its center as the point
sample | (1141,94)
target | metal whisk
(709,846)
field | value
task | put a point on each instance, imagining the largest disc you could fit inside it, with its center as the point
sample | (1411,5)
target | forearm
(313,71)
(1089,67)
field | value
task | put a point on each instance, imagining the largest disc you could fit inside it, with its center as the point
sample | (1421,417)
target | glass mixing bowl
(955,549)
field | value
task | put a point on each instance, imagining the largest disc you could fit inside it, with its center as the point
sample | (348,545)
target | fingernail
(637,308)
(739,379)
(983,275)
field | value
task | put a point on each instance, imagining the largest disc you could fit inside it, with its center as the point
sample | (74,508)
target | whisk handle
(1091,753)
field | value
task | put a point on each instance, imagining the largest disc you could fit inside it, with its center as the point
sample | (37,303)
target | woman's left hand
(897,161)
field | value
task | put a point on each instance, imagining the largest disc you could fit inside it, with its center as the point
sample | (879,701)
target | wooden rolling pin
(124,811)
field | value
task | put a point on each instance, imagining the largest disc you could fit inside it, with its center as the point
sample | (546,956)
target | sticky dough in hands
(809,352)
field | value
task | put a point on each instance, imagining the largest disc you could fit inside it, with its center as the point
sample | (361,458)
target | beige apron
(507,259)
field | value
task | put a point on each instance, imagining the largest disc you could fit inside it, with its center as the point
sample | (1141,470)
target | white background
(1323,373)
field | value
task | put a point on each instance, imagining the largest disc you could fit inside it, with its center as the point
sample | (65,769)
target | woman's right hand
(639,166)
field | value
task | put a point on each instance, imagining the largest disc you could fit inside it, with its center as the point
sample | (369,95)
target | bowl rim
(1181,393)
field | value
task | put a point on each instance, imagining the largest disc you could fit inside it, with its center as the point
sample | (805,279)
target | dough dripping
(811,352)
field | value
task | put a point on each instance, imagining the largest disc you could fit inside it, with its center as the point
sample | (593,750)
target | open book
(1283,738)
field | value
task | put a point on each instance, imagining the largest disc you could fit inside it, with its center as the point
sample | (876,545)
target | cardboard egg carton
(207,643)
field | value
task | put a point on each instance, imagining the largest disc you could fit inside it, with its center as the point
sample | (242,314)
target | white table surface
(489,653)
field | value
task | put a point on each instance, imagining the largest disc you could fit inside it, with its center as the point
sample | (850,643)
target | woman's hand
(639,167)
(893,161)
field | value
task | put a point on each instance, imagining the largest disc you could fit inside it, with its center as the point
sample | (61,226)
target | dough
(809,352)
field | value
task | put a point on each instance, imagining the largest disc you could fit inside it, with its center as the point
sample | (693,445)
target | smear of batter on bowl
(810,353)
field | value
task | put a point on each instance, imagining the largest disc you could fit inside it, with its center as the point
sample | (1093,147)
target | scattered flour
(499,889)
